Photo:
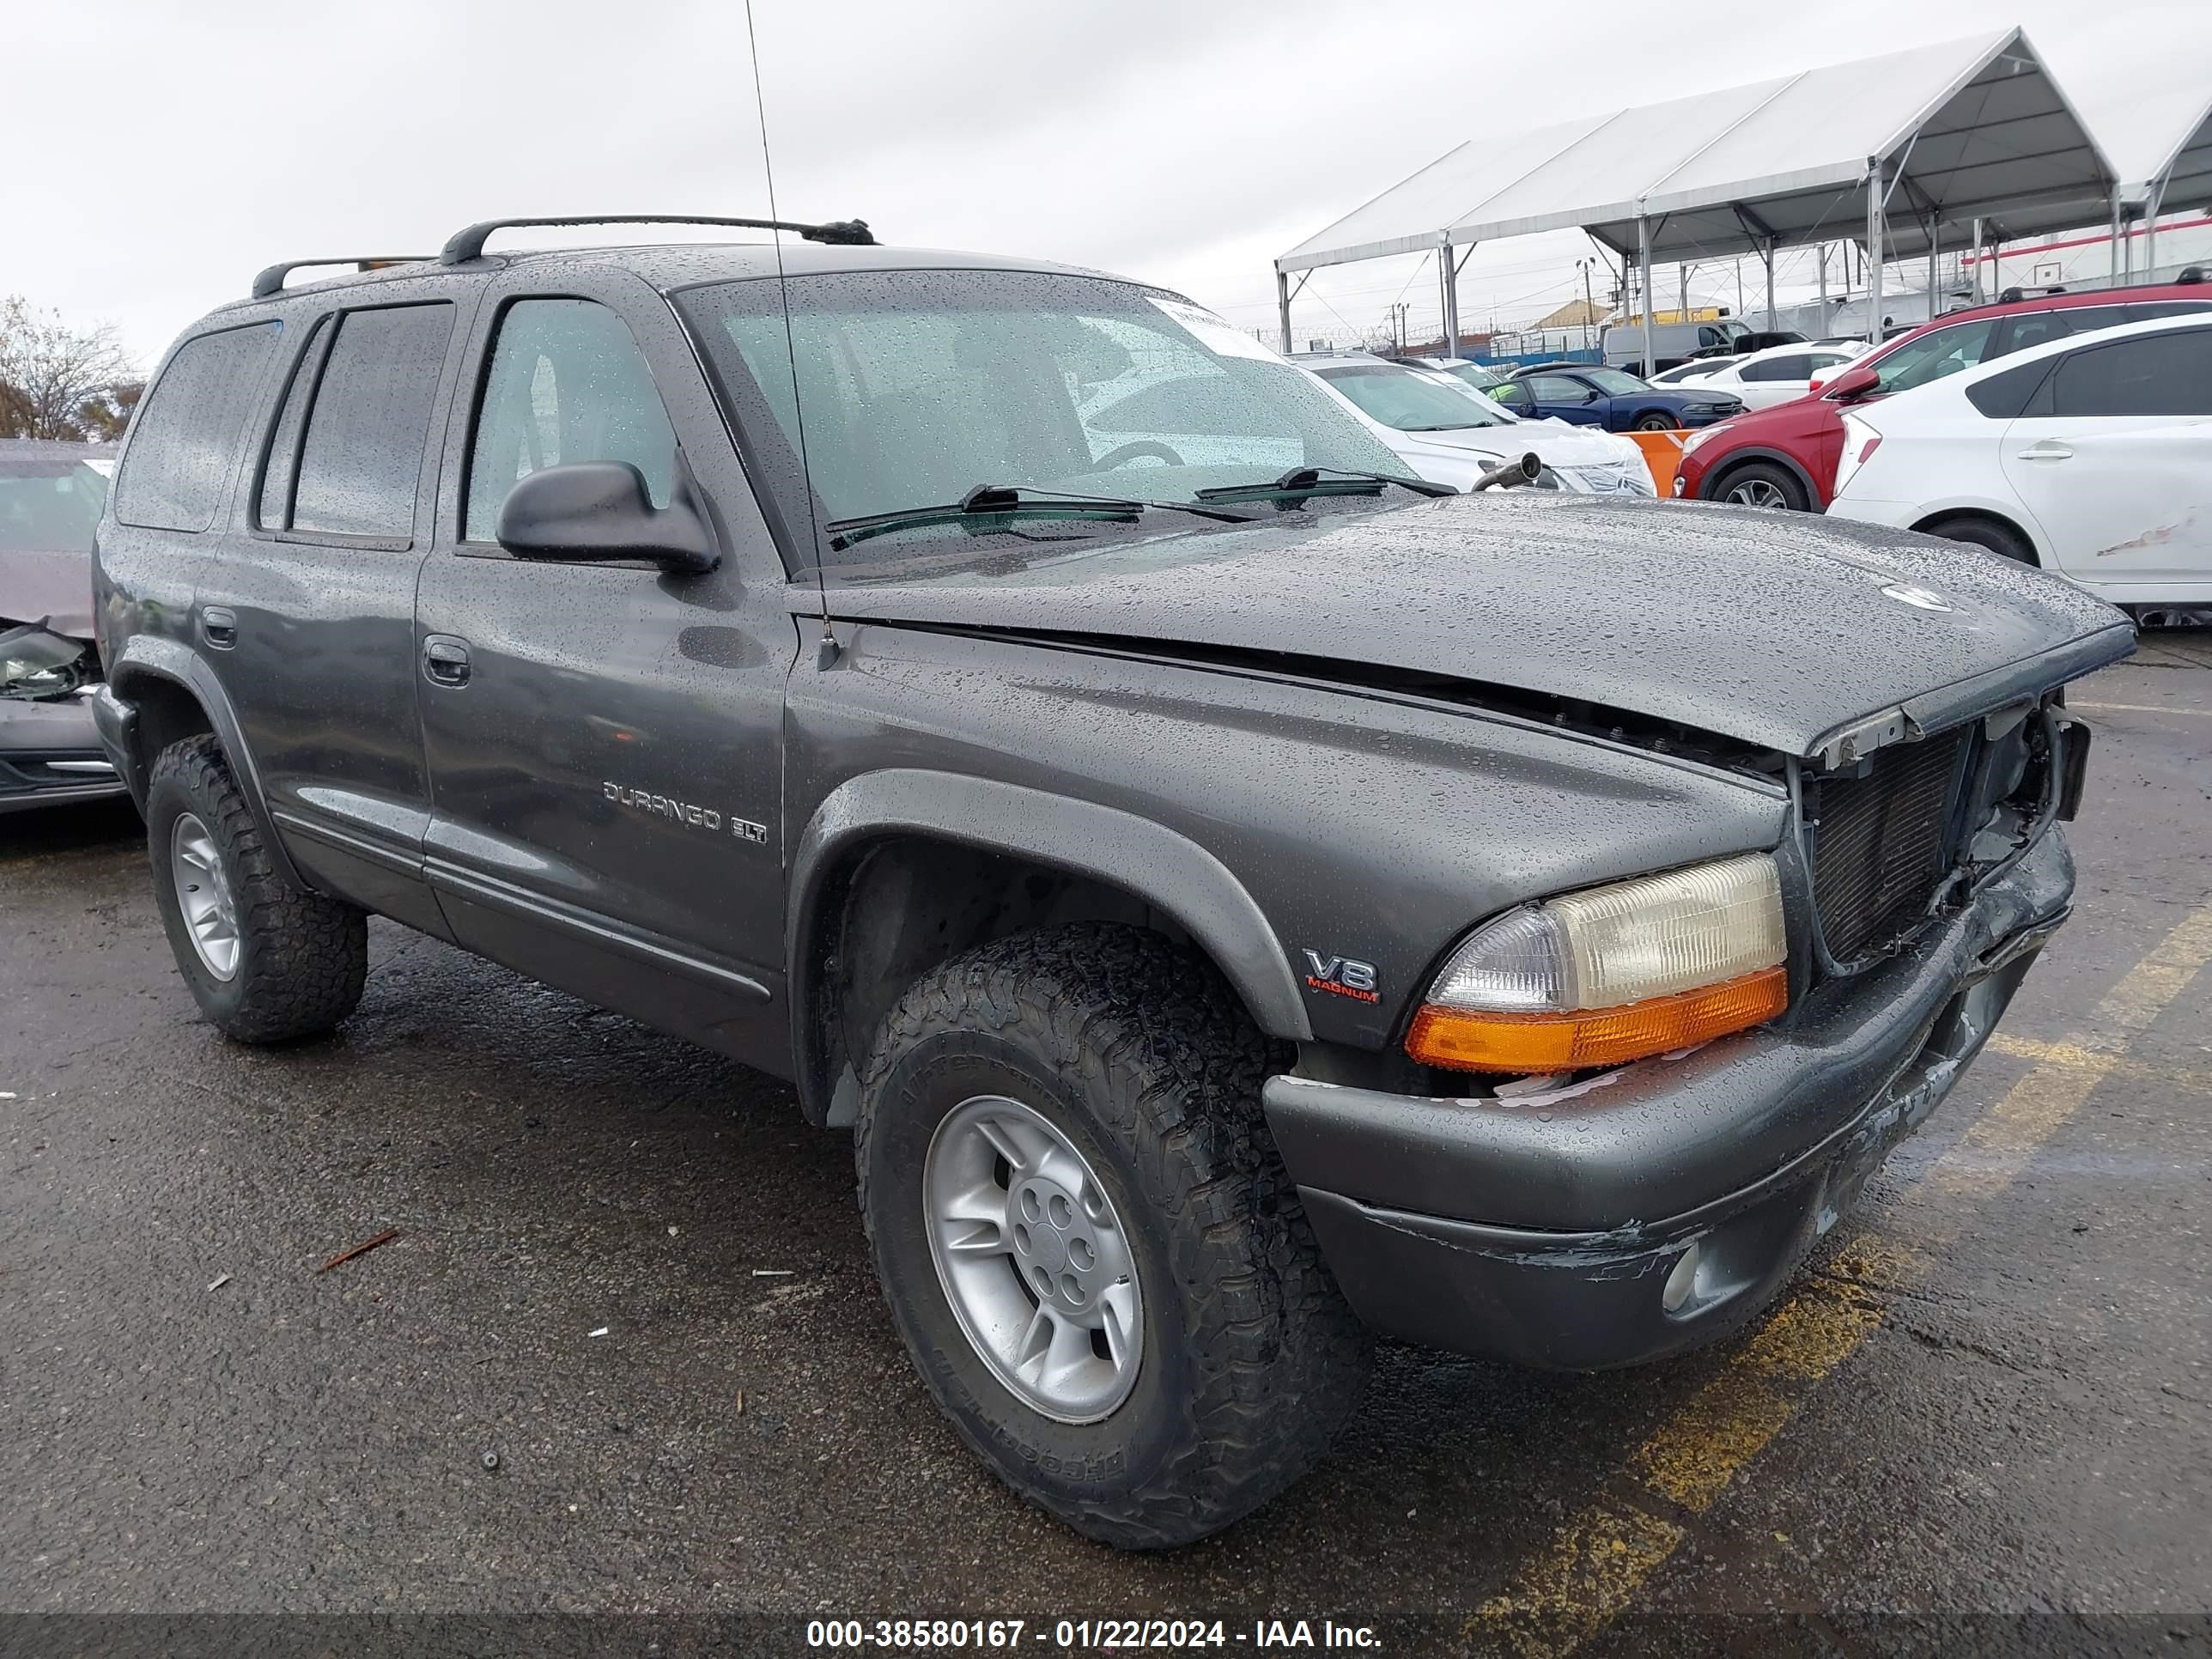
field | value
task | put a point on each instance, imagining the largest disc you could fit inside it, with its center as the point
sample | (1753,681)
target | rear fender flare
(1165,868)
(148,658)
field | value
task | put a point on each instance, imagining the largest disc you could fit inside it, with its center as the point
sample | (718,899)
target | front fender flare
(148,657)
(1166,869)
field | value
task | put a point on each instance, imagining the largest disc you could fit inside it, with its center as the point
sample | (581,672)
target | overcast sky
(164,152)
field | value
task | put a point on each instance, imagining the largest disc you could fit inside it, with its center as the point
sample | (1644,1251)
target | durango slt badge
(684,812)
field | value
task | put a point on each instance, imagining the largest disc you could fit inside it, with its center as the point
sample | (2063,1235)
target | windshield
(1411,402)
(53,510)
(1613,382)
(909,388)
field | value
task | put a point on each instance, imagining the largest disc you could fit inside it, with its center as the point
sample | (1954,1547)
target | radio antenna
(825,652)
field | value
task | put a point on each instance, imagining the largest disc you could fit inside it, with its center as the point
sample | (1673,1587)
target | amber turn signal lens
(1528,1045)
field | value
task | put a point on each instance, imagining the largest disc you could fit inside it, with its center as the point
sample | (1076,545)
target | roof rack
(271,281)
(466,245)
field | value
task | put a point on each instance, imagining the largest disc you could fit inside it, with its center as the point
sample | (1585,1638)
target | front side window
(905,389)
(1613,382)
(361,459)
(1934,355)
(2165,374)
(1557,389)
(185,441)
(1399,397)
(568,384)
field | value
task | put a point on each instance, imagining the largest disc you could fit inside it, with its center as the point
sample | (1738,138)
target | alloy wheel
(203,895)
(1033,1259)
(1757,492)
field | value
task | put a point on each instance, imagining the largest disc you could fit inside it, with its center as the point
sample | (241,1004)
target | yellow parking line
(1589,1571)
(2073,1054)
(2139,708)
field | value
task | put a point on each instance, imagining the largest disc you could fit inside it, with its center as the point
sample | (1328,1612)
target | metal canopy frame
(1905,152)
(2185,175)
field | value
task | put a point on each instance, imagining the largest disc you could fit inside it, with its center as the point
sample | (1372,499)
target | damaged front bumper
(1553,1230)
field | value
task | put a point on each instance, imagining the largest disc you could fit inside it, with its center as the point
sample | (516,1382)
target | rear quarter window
(185,443)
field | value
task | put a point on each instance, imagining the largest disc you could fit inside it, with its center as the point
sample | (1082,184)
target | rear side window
(2005,396)
(2033,328)
(187,438)
(361,457)
(2157,375)
(2151,311)
(1795,368)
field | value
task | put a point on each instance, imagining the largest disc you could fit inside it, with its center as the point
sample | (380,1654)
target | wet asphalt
(626,1353)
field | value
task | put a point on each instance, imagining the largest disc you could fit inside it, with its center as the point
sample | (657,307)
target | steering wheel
(1129,453)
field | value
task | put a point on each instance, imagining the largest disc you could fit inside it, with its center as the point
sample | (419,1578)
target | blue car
(1590,394)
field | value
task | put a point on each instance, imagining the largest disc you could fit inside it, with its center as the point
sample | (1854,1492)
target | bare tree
(57,381)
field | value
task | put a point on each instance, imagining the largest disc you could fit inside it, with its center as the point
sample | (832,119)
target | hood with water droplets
(1772,628)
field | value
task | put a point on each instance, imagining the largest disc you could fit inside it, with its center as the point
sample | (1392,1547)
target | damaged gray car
(51,495)
(1239,899)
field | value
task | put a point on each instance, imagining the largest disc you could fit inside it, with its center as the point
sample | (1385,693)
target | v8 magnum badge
(1342,977)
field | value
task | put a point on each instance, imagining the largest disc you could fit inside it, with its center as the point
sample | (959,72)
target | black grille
(1880,842)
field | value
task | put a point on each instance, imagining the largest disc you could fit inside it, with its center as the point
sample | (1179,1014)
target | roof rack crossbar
(466,245)
(271,281)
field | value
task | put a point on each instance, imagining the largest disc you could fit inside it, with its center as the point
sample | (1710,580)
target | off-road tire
(1144,1058)
(303,957)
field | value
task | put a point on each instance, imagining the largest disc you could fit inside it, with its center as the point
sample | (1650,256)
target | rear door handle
(219,626)
(2049,450)
(444,659)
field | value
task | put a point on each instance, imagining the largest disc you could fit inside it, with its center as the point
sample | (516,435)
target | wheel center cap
(1050,1251)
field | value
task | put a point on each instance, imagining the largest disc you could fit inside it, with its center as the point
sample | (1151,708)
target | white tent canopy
(1961,132)
(2183,180)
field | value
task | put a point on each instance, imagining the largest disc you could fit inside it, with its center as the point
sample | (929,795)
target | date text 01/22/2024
(1084,1635)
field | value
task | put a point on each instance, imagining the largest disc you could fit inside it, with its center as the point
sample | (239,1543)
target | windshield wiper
(1013,501)
(1308,481)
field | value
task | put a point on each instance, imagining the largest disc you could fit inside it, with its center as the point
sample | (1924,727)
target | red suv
(1785,455)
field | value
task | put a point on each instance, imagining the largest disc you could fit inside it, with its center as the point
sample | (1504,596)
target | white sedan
(2089,455)
(1448,433)
(1696,369)
(1775,375)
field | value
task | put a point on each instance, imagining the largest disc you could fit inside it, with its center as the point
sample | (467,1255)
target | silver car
(1448,433)
(51,496)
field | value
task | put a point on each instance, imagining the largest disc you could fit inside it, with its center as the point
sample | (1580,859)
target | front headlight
(1612,974)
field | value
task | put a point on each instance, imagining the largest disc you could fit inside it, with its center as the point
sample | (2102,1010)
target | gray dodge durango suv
(1239,899)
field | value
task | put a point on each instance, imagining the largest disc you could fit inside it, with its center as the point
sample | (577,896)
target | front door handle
(219,626)
(2049,450)
(444,659)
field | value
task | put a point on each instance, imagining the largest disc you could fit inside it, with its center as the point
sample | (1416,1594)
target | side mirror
(1853,384)
(599,512)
